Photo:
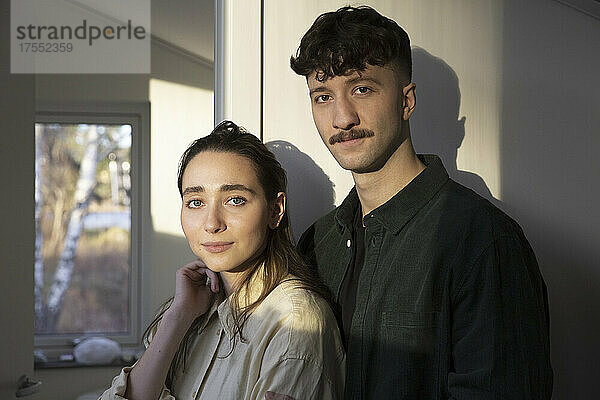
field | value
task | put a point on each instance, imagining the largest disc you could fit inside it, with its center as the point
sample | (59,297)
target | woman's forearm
(147,378)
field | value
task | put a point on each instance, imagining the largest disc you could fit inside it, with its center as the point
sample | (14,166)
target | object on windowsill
(39,357)
(65,357)
(96,351)
(27,386)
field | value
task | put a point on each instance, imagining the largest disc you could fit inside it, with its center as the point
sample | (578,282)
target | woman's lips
(217,247)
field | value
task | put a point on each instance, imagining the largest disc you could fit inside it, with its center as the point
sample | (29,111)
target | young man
(439,291)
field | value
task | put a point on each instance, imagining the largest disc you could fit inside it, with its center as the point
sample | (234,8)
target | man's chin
(357,167)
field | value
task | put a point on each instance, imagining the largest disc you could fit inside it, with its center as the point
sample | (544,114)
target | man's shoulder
(318,231)
(327,221)
(461,208)
(460,214)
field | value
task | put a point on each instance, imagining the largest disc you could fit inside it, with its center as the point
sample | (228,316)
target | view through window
(83,226)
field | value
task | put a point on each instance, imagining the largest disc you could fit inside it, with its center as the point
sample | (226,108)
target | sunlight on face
(224,213)
(364,112)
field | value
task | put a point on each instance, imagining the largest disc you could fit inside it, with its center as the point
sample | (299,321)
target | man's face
(359,116)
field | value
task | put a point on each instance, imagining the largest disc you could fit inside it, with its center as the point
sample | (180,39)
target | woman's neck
(230,281)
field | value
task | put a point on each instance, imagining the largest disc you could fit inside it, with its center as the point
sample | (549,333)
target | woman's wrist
(178,317)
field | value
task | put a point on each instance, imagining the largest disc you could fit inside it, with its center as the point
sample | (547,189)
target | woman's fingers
(195,276)
(214,280)
(199,269)
(195,264)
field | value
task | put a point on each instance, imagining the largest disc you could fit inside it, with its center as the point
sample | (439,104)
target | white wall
(17,230)
(507,94)
(551,170)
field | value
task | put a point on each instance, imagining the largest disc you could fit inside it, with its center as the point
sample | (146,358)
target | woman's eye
(362,90)
(194,203)
(236,201)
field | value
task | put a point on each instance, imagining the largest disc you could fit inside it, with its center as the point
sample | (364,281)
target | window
(90,170)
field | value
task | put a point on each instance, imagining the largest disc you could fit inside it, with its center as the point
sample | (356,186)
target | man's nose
(214,222)
(345,115)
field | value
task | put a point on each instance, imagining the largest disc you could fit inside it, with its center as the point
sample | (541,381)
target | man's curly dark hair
(343,41)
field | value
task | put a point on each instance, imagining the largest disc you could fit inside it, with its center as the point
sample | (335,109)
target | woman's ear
(277,210)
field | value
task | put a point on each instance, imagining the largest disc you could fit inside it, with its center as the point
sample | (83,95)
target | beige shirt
(292,346)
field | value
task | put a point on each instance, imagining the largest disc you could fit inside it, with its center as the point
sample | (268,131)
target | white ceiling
(187,24)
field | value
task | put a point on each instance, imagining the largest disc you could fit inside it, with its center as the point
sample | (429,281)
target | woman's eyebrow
(224,188)
(236,186)
(193,189)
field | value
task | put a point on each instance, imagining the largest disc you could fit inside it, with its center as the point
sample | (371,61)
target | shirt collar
(345,213)
(245,298)
(400,209)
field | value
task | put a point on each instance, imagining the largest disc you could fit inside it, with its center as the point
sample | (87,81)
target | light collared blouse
(291,346)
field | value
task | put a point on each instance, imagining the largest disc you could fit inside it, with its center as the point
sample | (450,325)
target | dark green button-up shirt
(450,301)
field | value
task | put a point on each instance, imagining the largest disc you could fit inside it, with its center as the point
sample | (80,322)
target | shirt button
(349,243)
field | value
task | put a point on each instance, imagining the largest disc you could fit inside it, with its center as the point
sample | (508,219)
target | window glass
(83,227)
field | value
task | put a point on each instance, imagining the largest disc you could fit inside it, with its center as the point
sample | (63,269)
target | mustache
(342,136)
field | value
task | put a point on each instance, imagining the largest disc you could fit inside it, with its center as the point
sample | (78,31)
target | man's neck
(377,187)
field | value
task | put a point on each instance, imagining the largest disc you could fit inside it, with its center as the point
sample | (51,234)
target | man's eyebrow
(318,89)
(358,79)
(349,82)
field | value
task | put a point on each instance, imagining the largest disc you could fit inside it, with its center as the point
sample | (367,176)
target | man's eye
(323,98)
(362,90)
(194,203)
(237,201)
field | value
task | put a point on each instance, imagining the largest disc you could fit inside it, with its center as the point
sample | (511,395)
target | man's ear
(277,210)
(409,103)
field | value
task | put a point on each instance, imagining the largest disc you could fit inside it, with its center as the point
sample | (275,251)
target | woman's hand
(192,294)
(192,299)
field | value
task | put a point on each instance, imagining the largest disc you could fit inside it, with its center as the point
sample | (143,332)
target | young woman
(260,322)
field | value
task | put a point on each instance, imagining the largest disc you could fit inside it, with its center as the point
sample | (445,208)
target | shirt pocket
(408,353)
(409,330)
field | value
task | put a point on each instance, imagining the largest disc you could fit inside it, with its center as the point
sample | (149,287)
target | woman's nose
(214,220)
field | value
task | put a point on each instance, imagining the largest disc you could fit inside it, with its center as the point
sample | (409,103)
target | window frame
(138,116)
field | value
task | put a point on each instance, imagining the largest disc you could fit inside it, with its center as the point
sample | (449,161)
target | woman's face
(224,214)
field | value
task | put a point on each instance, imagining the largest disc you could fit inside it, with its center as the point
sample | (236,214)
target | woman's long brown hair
(279,255)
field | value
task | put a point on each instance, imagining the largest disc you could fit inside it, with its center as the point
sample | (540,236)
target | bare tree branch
(84,188)
(38,273)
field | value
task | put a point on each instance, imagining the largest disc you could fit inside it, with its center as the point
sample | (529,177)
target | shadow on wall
(436,126)
(550,163)
(310,191)
(437,129)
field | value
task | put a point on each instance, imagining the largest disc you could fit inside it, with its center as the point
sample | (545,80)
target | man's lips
(349,141)
(216,247)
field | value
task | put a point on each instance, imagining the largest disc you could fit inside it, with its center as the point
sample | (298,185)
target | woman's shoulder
(304,318)
(304,330)
(294,299)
